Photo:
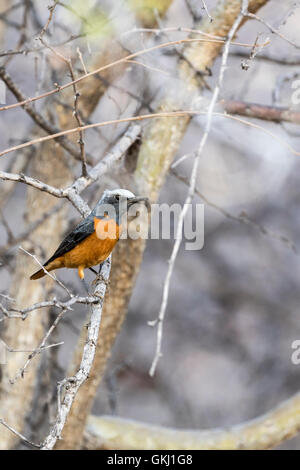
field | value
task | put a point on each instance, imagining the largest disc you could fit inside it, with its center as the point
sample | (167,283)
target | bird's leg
(99,276)
(100,266)
(93,270)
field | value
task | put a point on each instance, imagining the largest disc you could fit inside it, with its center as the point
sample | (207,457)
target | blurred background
(233,309)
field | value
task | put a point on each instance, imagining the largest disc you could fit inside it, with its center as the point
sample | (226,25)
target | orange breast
(93,250)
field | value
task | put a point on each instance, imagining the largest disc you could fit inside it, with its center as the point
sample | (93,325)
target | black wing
(82,231)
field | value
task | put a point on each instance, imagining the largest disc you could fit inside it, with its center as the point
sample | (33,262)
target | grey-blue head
(115,203)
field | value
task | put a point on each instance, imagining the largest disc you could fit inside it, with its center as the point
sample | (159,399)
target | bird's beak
(137,200)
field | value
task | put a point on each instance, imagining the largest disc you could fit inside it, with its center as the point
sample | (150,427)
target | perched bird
(92,241)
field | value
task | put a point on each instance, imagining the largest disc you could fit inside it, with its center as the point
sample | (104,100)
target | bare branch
(170,114)
(242,218)
(65,305)
(38,350)
(75,382)
(76,113)
(51,9)
(273,30)
(51,275)
(38,118)
(117,62)
(179,29)
(265,432)
(269,58)
(20,178)
(23,438)
(28,231)
(192,186)
(259,111)
(206,10)
(72,192)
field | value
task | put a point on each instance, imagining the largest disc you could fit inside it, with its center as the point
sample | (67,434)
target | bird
(94,238)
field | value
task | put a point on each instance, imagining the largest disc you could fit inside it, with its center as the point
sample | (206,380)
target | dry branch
(123,60)
(19,435)
(161,115)
(241,218)
(37,117)
(264,432)
(72,192)
(259,111)
(72,384)
(192,186)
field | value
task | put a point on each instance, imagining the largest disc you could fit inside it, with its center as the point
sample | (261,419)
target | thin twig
(261,111)
(52,276)
(192,185)
(38,118)
(66,305)
(59,88)
(23,438)
(28,231)
(38,350)
(268,58)
(242,218)
(169,114)
(76,114)
(72,192)
(206,10)
(272,29)
(51,9)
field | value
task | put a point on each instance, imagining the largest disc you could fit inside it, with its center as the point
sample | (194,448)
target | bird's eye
(117,197)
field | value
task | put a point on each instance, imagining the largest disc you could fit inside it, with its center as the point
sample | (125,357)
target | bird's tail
(40,273)
(55,264)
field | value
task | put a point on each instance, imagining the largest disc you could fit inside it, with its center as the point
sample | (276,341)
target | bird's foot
(100,278)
